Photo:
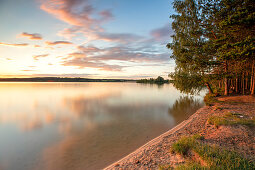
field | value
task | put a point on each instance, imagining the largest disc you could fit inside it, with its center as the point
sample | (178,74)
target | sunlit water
(62,126)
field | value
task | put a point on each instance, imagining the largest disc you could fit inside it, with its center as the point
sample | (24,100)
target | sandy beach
(239,138)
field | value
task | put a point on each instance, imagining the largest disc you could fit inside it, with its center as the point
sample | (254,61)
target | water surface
(73,126)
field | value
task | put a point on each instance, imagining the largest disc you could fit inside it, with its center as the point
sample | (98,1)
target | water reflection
(83,125)
(184,107)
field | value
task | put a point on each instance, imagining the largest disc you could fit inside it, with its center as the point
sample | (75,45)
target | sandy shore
(157,152)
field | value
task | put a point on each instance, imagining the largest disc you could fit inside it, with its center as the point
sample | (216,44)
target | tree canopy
(213,45)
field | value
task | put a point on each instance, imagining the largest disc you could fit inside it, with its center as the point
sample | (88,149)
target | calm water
(73,126)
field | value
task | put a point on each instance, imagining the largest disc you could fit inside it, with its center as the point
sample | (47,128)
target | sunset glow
(85,38)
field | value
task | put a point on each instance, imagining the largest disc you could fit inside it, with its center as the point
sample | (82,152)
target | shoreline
(156,153)
(156,140)
(153,141)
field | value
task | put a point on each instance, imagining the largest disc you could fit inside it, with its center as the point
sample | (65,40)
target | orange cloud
(58,43)
(27,70)
(14,45)
(36,57)
(80,14)
(31,36)
(64,10)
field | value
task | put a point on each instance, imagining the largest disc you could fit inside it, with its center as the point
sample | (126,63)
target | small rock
(137,161)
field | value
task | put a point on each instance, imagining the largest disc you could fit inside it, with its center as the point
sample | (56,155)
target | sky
(85,38)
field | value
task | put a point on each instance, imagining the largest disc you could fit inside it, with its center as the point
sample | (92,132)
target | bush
(210,99)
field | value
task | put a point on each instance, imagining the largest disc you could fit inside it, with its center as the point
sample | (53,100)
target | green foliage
(210,99)
(158,80)
(215,157)
(230,119)
(186,82)
(213,42)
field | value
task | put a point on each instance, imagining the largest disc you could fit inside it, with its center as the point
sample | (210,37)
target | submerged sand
(240,138)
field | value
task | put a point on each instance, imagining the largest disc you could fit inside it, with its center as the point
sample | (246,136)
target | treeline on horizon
(158,80)
(213,46)
(60,79)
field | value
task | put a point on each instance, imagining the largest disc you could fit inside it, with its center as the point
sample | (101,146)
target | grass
(231,119)
(215,157)
(191,166)
(184,144)
(165,167)
(210,99)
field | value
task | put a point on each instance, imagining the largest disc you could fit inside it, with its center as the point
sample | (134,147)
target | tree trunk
(253,86)
(236,85)
(243,82)
(253,79)
(226,79)
(246,81)
(209,88)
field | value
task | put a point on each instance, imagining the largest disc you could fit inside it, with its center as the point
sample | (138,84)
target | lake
(57,126)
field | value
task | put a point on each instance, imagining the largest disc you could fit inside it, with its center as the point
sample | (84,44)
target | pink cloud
(31,36)
(118,37)
(58,43)
(162,33)
(64,10)
(75,12)
(80,14)
(106,15)
(93,57)
(87,63)
(89,50)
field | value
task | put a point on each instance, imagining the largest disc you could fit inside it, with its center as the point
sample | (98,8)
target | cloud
(106,14)
(94,57)
(120,53)
(118,37)
(64,75)
(89,49)
(83,59)
(80,15)
(87,63)
(68,33)
(131,55)
(31,36)
(14,45)
(75,12)
(48,75)
(27,70)
(58,43)
(162,33)
(129,49)
(36,57)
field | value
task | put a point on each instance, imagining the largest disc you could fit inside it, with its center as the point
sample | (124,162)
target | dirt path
(240,138)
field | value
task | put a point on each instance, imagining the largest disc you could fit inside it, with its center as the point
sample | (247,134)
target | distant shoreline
(61,79)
